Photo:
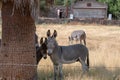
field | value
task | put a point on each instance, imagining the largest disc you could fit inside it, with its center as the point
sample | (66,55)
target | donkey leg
(55,72)
(84,42)
(69,40)
(84,65)
(60,72)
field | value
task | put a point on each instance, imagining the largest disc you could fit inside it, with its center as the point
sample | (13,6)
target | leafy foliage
(58,2)
(113,7)
(43,8)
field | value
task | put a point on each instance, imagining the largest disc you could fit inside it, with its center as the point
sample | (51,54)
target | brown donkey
(41,51)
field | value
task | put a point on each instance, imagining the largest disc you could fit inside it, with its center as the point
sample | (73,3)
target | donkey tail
(88,59)
(85,38)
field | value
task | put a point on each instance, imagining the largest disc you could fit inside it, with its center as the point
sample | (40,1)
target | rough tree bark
(17,56)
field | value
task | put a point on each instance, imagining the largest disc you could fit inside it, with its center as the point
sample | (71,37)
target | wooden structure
(18,55)
(89,9)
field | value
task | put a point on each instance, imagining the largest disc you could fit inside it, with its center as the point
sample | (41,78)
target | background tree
(113,7)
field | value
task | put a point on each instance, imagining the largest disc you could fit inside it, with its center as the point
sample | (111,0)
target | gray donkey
(65,54)
(78,35)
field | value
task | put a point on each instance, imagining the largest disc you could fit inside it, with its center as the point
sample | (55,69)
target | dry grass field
(103,43)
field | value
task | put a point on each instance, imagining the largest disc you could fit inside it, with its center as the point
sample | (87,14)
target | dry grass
(103,43)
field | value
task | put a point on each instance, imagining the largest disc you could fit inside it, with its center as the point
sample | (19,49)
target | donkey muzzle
(49,51)
(45,56)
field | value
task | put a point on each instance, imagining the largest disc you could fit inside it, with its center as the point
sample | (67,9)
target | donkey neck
(57,50)
(56,56)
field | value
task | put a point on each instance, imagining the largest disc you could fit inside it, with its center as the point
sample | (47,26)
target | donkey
(60,55)
(78,35)
(41,51)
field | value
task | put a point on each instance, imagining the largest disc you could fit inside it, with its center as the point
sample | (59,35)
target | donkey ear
(55,34)
(48,33)
(41,40)
(45,40)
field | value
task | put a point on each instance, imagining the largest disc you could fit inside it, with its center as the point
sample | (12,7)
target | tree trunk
(37,12)
(17,57)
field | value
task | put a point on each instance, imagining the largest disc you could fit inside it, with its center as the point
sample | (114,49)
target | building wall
(90,9)
(89,13)
(94,4)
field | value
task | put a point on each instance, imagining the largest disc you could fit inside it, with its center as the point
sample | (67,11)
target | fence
(83,21)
